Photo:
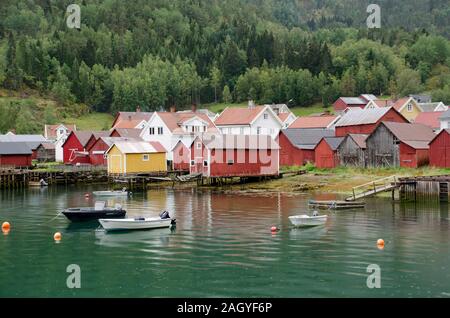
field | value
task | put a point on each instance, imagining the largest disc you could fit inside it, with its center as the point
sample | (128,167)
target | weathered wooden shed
(326,152)
(352,151)
(364,121)
(297,145)
(399,145)
(45,152)
(440,149)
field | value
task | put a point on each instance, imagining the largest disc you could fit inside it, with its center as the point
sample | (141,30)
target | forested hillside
(158,53)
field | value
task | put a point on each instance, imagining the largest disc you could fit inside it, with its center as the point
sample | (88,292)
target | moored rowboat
(306,220)
(135,224)
(113,193)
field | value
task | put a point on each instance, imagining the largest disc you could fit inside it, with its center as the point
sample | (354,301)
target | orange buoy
(86,195)
(6,226)
(380,244)
(57,236)
(274,229)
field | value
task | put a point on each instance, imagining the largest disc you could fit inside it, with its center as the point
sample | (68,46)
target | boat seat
(118,206)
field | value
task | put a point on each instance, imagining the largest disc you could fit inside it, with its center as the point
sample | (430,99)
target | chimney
(138,109)
(251,104)
(173,109)
(129,117)
(194,108)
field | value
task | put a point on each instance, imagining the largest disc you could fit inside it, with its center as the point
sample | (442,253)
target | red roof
(430,119)
(238,115)
(51,129)
(399,103)
(283,116)
(313,122)
(128,119)
(173,120)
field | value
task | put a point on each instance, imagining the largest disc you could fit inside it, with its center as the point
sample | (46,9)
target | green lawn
(93,121)
(298,111)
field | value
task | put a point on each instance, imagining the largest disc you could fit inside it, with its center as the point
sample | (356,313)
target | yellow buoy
(57,236)
(6,227)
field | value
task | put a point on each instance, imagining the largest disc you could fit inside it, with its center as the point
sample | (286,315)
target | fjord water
(222,246)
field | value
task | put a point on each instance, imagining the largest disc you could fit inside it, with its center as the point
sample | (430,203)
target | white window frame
(160,131)
(198,145)
(144,156)
(258,130)
(151,131)
(266,116)
(409,107)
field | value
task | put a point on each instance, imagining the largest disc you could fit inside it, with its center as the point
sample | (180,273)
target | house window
(230,162)
(199,145)
(266,116)
(160,130)
(396,141)
(61,131)
(192,163)
(410,107)
(242,130)
(205,163)
(145,157)
(258,130)
(151,130)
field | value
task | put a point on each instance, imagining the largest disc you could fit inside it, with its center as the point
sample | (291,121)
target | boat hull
(307,221)
(135,224)
(110,193)
(83,215)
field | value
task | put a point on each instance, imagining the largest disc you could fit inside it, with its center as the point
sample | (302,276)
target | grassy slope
(93,121)
(66,115)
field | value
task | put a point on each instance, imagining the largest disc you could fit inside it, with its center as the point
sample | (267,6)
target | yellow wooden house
(131,157)
(408,107)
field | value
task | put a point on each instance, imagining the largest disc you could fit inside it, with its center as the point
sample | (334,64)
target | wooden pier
(424,188)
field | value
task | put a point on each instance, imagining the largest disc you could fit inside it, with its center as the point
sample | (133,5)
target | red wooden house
(74,148)
(98,150)
(181,157)
(297,145)
(235,156)
(343,103)
(365,121)
(96,135)
(15,154)
(440,150)
(326,152)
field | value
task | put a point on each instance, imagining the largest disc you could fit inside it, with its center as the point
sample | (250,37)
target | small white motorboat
(307,221)
(112,193)
(138,223)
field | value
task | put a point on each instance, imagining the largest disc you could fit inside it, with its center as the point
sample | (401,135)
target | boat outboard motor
(164,215)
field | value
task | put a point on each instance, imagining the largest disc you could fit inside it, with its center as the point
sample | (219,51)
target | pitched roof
(50,130)
(306,138)
(47,145)
(430,119)
(82,136)
(10,137)
(130,119)
(445,114)
(130,147)
(383,102)
(360,139)
(333,142)
(368,97)
(354,100)
(14,148)
(400,103)
(174,120)
(254,142)
(415,135)
(238,115)
(429,107)
(362,116)
(313,122)
(127,132)
(111,140)
(283,116)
